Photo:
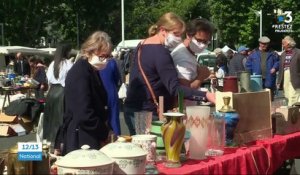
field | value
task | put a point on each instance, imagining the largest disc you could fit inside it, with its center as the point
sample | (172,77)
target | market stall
(259,157)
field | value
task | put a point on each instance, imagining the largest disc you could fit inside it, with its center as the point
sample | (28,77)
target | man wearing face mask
(198,34)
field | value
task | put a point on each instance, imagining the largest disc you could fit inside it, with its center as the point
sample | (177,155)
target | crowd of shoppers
(82,104)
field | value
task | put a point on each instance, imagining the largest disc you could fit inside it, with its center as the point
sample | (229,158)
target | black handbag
(28,108)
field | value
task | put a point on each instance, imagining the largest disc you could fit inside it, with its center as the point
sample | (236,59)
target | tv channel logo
(284,16)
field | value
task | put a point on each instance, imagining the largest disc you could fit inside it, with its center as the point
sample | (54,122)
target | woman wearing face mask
(198,34)
(85,117)
(159,69)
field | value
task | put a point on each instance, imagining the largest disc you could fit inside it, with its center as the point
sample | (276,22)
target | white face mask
(98,63)
(172,41)
(197,47)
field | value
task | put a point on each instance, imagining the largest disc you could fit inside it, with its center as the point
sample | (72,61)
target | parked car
(207,59)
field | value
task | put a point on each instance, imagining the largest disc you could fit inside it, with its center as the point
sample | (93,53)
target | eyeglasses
(105,57)
(202,41)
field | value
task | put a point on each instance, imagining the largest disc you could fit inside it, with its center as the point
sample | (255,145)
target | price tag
(29,151)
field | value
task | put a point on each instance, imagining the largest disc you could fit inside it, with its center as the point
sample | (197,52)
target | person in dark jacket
(85,118)
(264,61)
(289,70)
(21,65)
(38,73)
(236,64)
(159,68)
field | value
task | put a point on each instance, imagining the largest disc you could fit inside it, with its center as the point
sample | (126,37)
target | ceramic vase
(197,122)
(173,136)
(231,121)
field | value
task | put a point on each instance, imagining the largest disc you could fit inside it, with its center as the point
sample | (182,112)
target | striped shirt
(287,59)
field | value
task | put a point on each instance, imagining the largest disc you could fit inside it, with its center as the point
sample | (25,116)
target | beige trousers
(291,94)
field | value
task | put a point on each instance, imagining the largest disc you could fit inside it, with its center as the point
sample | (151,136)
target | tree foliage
(26,21)
(238,22)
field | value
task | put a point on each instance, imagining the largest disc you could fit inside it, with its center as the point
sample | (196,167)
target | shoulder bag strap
(145,78)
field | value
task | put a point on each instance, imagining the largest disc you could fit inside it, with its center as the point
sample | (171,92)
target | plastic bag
(122,91)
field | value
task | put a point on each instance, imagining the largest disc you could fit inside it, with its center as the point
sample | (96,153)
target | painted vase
(231,121)
(173,132)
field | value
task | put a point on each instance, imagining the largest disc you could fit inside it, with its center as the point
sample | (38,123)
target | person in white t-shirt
(190,73)
(54,108)
(198,34)
(220,72)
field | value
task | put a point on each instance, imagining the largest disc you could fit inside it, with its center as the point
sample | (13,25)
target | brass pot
(16,167)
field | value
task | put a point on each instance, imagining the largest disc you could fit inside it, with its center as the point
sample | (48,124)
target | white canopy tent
(24,50)
(226,48)
(12,50)
(51,50)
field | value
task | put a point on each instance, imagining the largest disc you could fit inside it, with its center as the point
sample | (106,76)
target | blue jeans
(129,118)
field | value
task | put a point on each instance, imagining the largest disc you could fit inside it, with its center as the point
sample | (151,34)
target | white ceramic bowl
(129,158)
(85,161)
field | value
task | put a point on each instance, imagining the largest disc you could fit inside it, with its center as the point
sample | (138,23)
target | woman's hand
(211,97)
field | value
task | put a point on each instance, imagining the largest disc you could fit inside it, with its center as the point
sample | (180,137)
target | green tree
(26,21)
(141,14)
(238,24)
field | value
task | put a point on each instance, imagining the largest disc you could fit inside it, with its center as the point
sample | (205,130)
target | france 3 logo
(284,16)
(284,20)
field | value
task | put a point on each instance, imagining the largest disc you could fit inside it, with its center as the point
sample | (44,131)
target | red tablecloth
(260,157)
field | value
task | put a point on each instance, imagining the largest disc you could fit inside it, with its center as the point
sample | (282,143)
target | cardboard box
(8,119)
(18,129)
(26,123)
(6,130)
(287,120)
(12,130)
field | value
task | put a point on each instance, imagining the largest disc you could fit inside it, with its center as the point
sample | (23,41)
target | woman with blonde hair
(85,117)
(154,60)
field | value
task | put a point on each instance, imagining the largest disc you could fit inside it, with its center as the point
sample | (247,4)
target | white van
(207,59)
